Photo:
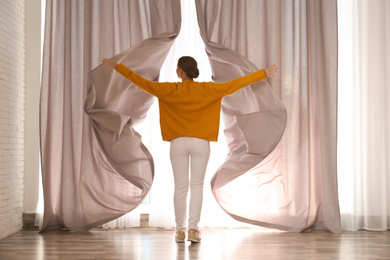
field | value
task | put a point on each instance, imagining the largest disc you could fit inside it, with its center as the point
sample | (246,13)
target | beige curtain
(293,187)
(94,167)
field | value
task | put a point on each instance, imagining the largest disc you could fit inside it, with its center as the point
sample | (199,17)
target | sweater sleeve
(227,88)
(153,88)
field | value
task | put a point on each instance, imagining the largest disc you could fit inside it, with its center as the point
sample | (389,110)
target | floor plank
(145,244)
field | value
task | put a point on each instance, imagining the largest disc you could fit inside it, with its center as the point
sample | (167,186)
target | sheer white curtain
(363,114)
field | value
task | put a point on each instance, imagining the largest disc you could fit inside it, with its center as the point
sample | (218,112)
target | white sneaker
(194,236)
(180,236)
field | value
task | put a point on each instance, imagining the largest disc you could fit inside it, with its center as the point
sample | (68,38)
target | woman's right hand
(109,63)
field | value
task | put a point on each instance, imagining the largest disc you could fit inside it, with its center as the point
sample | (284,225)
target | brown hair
(189,66)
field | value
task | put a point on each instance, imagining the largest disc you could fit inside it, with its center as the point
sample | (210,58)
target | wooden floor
(148,244)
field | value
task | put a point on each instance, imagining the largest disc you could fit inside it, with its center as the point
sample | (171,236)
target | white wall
(12,114)
(33,60)
(20,57)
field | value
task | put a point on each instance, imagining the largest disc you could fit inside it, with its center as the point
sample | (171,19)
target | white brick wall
(12,113)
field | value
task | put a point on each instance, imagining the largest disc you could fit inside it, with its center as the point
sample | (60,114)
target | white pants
(186,151)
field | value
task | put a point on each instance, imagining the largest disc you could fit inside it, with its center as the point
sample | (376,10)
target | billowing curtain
(292,187)
(364,117)
(94,166)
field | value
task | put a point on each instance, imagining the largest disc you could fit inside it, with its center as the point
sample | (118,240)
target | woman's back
(189,108)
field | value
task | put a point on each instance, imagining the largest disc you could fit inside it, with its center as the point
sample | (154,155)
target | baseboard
(144,220)
(29,221)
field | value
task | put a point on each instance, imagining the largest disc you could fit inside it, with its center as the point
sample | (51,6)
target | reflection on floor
(145,244)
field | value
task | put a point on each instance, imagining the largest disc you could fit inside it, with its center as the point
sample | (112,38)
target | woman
(189,119)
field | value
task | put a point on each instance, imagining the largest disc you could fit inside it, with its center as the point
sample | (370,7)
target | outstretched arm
(154,88)
(227,88)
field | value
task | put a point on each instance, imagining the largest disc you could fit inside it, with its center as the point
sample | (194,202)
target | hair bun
(194,73)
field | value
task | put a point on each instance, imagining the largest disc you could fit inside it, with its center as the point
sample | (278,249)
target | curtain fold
(94,166)
(291,186)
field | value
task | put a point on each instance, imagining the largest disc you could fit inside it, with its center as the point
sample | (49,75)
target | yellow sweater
(189,108)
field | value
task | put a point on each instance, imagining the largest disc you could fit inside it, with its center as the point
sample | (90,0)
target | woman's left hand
(271,71)
(110,63)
